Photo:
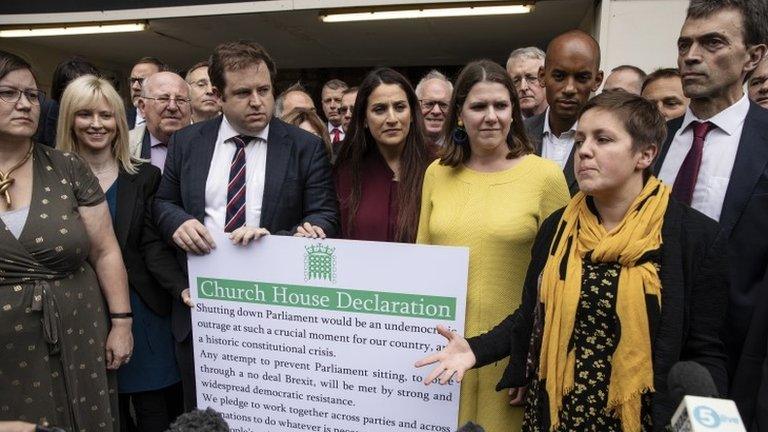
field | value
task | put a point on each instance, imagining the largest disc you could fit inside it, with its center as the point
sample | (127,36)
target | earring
(459,133)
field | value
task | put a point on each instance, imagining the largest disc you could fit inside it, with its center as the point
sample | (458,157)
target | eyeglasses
(13,95)
(134,80)
(429,105)
(165,100)
(530,79)
(345,109)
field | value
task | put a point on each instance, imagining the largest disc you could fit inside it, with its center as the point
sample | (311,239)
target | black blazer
(534,128)
(694,292)
(153,271)
(130,115)
(298,186)
(744,225)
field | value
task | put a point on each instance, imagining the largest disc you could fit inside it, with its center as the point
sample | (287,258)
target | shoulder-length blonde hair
(82,93)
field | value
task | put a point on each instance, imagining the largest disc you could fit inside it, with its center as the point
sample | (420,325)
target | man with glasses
(141,70)
(205,104)
(523,67)
(165,105)
(434,92)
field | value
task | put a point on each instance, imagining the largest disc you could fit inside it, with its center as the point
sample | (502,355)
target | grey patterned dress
(53,318)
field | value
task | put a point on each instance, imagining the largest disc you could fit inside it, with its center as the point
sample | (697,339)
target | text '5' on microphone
(700,414)
(692,387)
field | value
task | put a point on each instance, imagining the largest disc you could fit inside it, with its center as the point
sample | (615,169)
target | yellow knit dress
(497,216)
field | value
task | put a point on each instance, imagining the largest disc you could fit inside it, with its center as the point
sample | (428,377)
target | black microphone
(688,378)
(470,427)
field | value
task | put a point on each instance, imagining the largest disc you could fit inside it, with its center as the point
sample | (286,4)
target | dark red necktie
(236,187)
(336,135)
(686,178)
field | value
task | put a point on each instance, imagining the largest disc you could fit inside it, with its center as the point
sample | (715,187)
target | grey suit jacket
(534,128)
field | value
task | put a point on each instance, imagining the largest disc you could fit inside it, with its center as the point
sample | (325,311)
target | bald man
(571,73)
(165,105)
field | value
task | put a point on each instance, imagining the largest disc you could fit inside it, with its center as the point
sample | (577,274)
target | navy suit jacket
(744,224)
(130,115)
(298,184)
(534,128)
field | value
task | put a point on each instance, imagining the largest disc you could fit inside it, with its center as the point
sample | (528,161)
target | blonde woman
(92,124)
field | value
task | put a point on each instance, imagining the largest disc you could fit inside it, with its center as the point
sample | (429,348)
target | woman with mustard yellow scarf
(624,282)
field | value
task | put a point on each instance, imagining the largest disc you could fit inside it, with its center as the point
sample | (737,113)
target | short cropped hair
(639,72)
(753,12)
(353,89)
(335,84)
(433,74)
(161,65)
(641,118)
(232,56)
(196,66)
(280,100)
(10,62)
(660,74)
(532,52)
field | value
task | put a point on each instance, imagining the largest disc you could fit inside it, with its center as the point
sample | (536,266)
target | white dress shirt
(157,152)
(341,131)
(717,159)
(557,148)
(218,177)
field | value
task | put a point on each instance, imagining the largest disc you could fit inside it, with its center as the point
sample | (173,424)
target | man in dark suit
(245,173)
(570,74)
(141,70)
(716,158)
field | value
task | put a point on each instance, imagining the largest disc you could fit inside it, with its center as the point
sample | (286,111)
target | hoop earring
(459,134)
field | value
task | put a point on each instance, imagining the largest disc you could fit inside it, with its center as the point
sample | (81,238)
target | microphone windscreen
(470,427)
(688,378)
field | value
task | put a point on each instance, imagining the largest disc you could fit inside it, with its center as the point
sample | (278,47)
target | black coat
(534,129)
(298,186)
(744,225)
(694,290)
(153,271)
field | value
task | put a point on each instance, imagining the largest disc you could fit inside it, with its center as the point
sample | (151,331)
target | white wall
(639,32)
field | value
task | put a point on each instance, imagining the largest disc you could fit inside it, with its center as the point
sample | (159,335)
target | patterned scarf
(637,234)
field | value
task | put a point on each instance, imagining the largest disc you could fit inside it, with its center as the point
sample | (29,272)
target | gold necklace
(6,181)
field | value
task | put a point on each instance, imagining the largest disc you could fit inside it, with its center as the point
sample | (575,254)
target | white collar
(727,120)
(547,130)
(227,132)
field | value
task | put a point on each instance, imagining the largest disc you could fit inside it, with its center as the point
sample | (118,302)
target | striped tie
(236,187)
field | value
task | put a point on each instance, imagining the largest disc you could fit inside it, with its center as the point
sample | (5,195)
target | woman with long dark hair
(381,164)
(488,193)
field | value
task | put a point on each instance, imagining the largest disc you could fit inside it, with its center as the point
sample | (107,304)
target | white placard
(321,335)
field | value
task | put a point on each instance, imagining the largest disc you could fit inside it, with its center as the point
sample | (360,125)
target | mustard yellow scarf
(638,233)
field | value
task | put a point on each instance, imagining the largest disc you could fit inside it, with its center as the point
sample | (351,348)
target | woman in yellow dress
(489,193)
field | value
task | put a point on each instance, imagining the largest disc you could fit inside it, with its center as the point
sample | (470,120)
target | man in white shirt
(245,173)
(716,159)
(205,104)
(165,104)
(330,96)
(571,73)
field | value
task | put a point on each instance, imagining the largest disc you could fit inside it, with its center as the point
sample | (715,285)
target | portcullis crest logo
(319,262)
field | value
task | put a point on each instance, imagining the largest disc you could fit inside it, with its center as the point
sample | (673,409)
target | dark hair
(456,153)
(161,65)
(753,12)
(354,89)
(232,56)
(413,161)
(200,421)
(641,118)
(198,65)
(335,84)
(67,71)
(641,73)
(660,74)
(10,62)
(299,115)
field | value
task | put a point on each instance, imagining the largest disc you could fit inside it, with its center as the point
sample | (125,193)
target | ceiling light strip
(426,13)
(73,30)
